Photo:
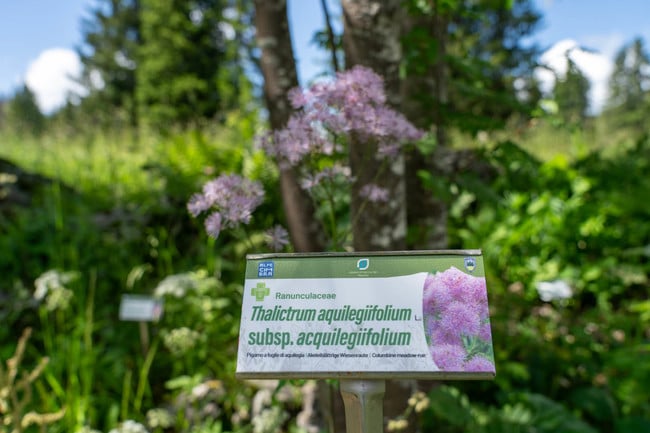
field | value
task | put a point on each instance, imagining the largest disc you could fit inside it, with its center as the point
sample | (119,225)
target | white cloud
(50,77)
(596,66)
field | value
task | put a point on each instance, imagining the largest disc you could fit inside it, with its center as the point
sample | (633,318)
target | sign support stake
(364,405)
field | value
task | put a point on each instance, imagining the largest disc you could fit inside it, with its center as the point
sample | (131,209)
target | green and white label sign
(372,315)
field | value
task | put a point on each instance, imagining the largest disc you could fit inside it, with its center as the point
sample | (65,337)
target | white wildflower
(159,418)
(51,289)
(269,420)
(130,426)
(181,340)
(176,285)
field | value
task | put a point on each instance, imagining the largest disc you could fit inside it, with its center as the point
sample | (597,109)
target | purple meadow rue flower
(485,333)
(454,306)
(197,205)
(479,364)
(331,111)
(374,193)
(232,200)
(297,97)
(460,318)
(449,357)
(329,174)
(213,224)
(388,149)
(308,182)
(454,279)
(463,287)
(277,237)
(359,85)
(443,336)
(436,295)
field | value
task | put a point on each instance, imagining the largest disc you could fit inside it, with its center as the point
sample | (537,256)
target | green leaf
(596,402)
(448,404)
(183,382)
(632,425)
(551,416)
(643,308)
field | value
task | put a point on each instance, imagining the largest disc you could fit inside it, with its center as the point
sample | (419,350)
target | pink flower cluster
(330,174)
(231,200)
(456,321)
(277,237)
(354,104)
(374,193)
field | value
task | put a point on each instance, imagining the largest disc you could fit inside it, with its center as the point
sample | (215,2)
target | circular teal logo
(363,264)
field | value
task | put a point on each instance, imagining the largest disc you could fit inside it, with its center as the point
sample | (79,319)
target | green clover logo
(260,291)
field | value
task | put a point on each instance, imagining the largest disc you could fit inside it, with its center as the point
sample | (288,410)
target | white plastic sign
(370,315)
(139,308)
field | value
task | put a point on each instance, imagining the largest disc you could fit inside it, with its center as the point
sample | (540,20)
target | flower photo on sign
(456,321)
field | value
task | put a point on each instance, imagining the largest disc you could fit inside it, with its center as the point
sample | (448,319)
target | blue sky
(38,37)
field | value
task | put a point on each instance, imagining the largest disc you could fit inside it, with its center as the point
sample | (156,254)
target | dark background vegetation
(99,189)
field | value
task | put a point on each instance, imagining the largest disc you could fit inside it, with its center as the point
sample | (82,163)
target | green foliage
(484,73)
(127,211)
(200,310)
(161,64)
(21,114)
(113,211)
(451,411)
(563,365)
(180,59)
(566,221)
(572,94)
(629,89)
(70,335)
(558,219)
(109,57)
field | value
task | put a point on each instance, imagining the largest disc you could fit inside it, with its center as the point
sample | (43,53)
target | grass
(101,163)
(548,138)
(114,204)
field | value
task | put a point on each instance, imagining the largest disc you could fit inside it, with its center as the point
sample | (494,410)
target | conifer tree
(629,87)
(182,54)
(472,55)
(571,94)
(109,58)
(22,114)
(166,63)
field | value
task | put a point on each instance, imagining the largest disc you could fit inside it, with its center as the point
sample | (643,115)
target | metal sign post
(364,401)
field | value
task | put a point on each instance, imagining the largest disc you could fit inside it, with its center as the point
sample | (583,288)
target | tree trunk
(279,70)
(330,36)
(371,38)
(427,214)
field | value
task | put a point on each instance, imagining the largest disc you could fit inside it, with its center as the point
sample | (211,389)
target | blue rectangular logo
(265,269)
